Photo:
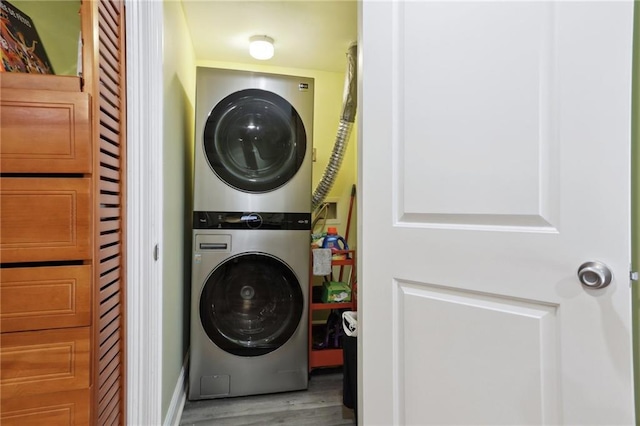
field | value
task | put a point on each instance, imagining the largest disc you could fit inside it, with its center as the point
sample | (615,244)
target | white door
(495,144)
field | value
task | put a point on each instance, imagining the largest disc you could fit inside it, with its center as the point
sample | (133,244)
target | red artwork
(22,50)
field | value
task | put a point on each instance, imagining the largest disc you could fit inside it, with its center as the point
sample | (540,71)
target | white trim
(174,413)
(144,20)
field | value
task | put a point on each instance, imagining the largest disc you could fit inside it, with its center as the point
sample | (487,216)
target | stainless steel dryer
(253,141)
(249,301)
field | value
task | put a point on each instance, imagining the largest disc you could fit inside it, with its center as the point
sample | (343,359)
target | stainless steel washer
(249,300)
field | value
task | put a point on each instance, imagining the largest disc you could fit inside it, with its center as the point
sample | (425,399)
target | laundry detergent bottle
(334,241)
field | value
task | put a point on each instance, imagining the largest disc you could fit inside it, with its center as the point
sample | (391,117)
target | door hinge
(633,275)
(156,252)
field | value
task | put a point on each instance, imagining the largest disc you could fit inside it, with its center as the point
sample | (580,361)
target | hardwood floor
(320,405)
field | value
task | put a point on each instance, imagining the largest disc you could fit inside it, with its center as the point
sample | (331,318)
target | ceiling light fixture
(261,47)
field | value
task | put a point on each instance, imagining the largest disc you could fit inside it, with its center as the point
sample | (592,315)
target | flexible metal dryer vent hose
(349,105)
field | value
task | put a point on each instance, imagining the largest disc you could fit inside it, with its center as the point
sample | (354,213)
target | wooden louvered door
(104,77)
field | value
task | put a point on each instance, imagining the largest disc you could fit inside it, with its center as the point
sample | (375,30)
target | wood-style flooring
(320,405)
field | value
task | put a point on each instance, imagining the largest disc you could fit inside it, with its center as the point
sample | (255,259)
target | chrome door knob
(594,274)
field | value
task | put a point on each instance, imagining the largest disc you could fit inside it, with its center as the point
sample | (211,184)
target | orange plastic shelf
(328,306)
(331,357)
(325,358)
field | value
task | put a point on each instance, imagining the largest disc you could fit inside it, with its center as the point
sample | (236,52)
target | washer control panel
(251,220)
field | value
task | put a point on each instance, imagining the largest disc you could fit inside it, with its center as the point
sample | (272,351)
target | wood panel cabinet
(45,297)
(45,219)
(46,361)
(62,226)
(46,250)
(60,408)
(44,131)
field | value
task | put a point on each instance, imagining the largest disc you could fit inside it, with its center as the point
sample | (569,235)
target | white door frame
(144,29)
(144,22)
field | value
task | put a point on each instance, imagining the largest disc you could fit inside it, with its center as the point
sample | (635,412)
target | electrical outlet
(332,210)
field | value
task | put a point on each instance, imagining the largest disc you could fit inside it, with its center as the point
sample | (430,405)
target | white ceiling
(307,34)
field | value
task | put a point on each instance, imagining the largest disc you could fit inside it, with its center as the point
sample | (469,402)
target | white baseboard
(179,396)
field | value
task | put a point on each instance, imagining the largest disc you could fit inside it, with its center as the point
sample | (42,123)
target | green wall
(58,25)
(179,100)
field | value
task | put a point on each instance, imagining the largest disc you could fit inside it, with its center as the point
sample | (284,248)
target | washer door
(251,304)
(254,140)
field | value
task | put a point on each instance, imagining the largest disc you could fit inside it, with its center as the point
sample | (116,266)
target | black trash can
(350,362)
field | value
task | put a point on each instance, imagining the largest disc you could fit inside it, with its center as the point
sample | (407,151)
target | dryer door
(251,304)
(254,140)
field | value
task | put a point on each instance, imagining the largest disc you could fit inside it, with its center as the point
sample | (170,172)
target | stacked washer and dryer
(251,232)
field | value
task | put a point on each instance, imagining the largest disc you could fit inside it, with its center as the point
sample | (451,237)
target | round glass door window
(254,140)
(251,304)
